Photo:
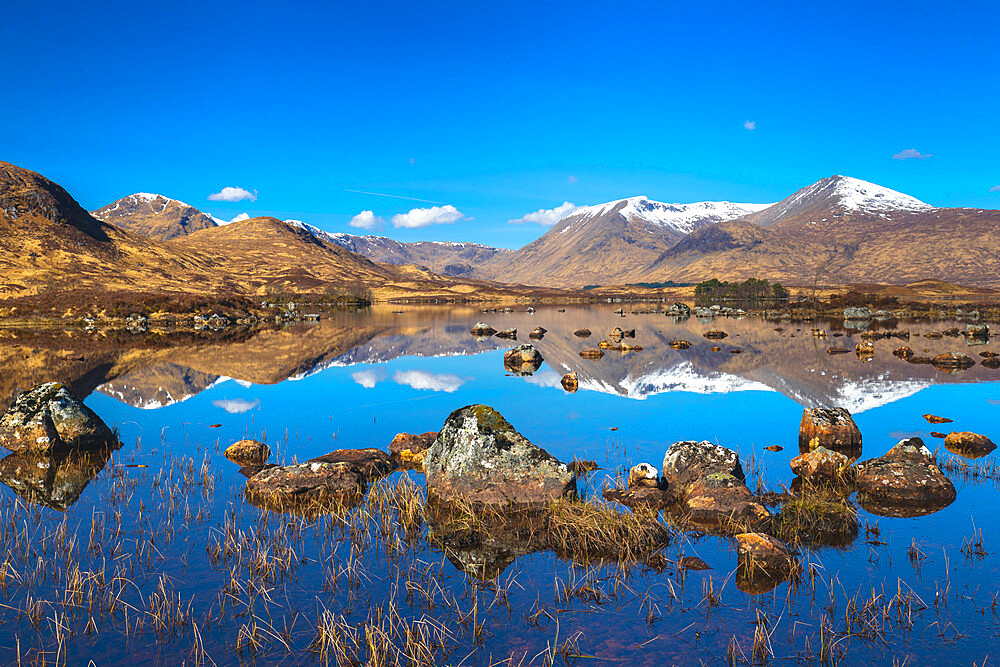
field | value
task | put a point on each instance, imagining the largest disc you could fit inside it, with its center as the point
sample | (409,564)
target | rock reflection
(55,481)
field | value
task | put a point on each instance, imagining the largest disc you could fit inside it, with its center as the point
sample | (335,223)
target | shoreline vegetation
(756,297)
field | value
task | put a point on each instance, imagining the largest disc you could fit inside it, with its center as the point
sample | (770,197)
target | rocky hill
(50,245)
(154,216)
(604,243)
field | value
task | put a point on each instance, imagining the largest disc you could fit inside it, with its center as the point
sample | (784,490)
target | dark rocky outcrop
(371,463)
(582,333)
(480,457)
(306,487)
(49,418)
(722,501)
(832,428)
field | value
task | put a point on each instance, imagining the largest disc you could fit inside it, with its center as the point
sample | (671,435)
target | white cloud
(424,217)
(236,406)
(572,179)
(366,220)
(239,218)
(750,124)
(911,154)
(547,216)
(367,379)
(547,378)
(427,380)
(995,188)
(230,193)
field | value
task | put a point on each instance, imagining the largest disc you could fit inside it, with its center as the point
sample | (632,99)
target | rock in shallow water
(688,460)
(821,464)
(968,444)
(49,418)
(479,456)
(832,428)
(906,475)
(722,501)
(248,452)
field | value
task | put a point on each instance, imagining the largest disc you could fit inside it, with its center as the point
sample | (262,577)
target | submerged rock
(722,501)
(306,486)
(833,428)
(479,456)
(821,465)
(934,419)
(522,360)
(49,418)
(764,562)
(905,475)
(715,335)
(371,463)
(537,333)
(968,444)
(582,333)
(247,452)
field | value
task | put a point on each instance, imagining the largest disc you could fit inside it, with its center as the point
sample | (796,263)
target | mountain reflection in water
(792,361)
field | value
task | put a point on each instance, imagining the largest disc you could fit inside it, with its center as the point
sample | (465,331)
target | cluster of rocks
(214,321)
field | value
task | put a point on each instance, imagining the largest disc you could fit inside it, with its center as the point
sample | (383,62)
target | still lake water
(356,379)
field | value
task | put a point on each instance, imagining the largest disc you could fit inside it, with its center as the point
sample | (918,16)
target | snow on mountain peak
(855,194)
(684,218)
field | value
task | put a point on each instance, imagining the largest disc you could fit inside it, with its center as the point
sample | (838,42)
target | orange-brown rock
(820,464)
(591,353)
(832,428)
(968,444)
(903,352)
(952,361)
(715,335)
(643,475)
(570,383)
(934,419)
(371,463)
(248,452)
(721,501)
(762,554)
(907,475)
(408,446)
(680,344)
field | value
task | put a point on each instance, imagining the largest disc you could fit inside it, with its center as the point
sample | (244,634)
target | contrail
(382,194)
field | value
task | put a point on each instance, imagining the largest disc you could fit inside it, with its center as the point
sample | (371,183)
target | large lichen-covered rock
(49,418)
(688,460)
(480,457)
(833,428)
(905,475)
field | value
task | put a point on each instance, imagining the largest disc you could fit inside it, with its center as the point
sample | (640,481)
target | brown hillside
(154,216)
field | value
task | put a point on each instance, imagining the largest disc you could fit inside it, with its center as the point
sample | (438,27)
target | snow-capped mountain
(600,244)
(839,195)
(681,218)
(154,215)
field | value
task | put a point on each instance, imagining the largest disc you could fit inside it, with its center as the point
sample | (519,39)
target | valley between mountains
(837,231)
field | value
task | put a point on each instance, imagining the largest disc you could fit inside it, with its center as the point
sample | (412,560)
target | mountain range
(839,230)
(50,244)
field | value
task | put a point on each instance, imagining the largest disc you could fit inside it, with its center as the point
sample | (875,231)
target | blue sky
(498,110)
